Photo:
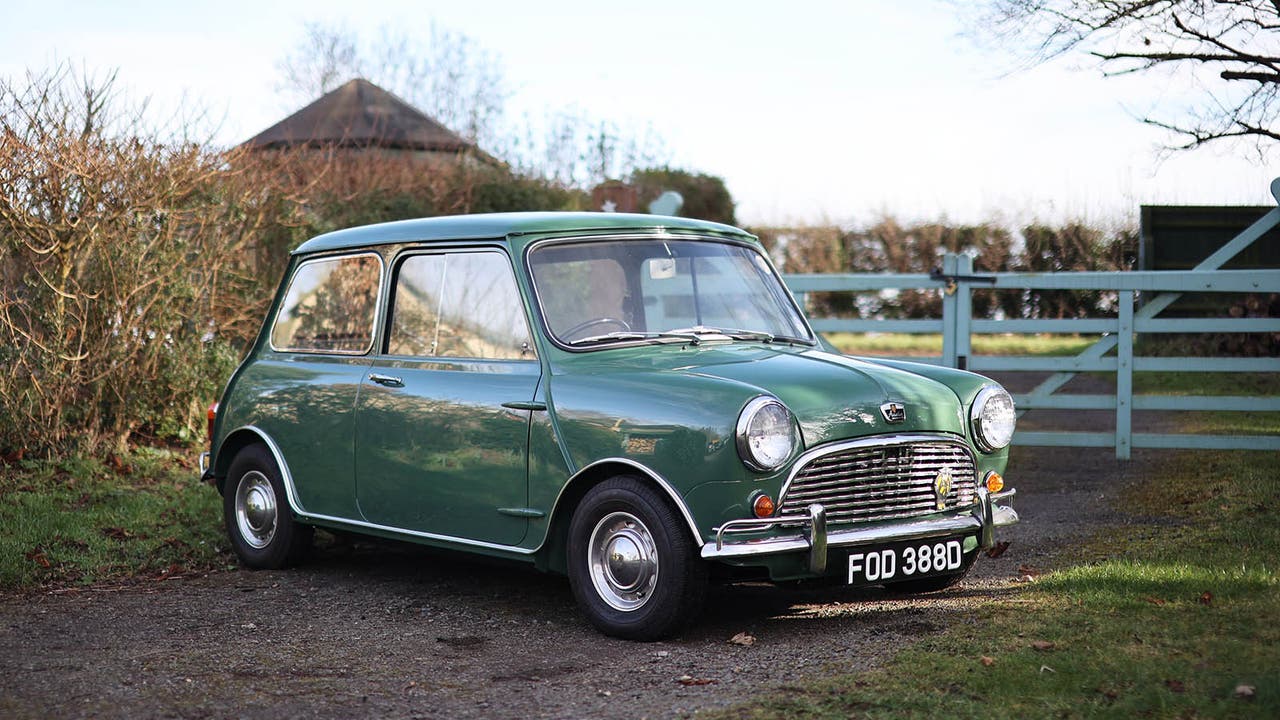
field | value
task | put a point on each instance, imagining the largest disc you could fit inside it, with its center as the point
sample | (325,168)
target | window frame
(377,307)
(388,313)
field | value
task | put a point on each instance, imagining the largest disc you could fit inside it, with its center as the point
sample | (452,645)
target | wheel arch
(551,555)
(241,438)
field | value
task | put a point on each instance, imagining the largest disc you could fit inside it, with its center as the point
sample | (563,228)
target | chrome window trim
(975,417)
(377,308)
(812,340)
(873,441)
(412,251)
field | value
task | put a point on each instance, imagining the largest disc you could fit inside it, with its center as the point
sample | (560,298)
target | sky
(811,111)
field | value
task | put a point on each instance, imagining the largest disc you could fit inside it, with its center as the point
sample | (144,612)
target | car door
(440,449)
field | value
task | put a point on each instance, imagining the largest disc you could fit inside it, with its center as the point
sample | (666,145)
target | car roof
(492,226)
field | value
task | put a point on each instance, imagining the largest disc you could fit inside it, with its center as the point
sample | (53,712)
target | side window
(458,305)
(330,306)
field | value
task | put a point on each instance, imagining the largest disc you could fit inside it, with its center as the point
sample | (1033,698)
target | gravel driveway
(398,631)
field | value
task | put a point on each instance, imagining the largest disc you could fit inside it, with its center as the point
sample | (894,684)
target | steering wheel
(570,334)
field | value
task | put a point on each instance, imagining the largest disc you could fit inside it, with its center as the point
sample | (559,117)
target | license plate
(905,561)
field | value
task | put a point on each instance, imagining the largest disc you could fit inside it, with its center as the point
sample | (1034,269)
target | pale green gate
(1113,353)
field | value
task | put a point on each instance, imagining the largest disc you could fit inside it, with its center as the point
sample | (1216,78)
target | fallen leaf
(1025,579)
(1245,692)
(744,639)
(1109,693)
(998,549)
(120,466)
(688,680)
(1043,645)
(116,533)
(988,661)
(1206,598)
(38,557)
(1155,600)
(1028,570)
(1175,686)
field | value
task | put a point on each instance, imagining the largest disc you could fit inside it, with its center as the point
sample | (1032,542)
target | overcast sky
(811,111)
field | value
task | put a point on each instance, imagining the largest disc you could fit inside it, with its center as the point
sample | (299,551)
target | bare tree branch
(1235,40)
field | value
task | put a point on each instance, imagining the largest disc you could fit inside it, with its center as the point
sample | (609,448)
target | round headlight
(766,434)
(993,418)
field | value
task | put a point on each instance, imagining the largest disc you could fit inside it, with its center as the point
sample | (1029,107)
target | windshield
(656,290)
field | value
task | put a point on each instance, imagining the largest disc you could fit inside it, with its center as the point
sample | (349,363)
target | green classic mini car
(634,401)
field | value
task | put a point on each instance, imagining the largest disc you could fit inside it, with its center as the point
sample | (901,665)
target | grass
(82,521)
(906,345)
(1168,617)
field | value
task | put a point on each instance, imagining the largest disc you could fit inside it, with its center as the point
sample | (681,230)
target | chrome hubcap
(256,509)
(623,561)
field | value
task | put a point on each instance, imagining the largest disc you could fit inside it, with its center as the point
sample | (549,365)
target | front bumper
(983,518)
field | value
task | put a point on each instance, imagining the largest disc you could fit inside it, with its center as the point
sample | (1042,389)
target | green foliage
(705,196)
(514,193)
(80,521)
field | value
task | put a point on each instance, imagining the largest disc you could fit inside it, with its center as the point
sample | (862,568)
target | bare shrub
(116,255)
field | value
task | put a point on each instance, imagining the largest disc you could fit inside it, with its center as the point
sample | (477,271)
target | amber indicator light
(763,506)
(995,482)
(212,415)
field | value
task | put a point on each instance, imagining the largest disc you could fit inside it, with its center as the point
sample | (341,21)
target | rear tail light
(212,415)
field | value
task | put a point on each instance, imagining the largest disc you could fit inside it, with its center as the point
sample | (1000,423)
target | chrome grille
(880,482)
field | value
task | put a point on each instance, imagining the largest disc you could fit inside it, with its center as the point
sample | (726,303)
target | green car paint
(490,456)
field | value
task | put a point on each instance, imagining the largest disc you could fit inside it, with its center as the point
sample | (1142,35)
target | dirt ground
(375,630)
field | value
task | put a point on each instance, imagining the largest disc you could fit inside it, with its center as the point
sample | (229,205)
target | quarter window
(330,306)
(458,305)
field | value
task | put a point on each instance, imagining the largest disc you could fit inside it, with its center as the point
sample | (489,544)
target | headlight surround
(993,418)
(766,434)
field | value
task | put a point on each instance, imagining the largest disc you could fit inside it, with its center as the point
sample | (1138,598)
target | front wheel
(256,512)
(633,565)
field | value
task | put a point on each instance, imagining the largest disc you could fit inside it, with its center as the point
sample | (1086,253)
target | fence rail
(1113,353)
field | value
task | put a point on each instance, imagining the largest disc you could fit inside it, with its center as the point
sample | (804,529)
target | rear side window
(330,306)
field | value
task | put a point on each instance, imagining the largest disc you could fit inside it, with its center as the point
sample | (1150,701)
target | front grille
(881,482)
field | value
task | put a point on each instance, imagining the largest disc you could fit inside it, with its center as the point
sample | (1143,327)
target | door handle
(386,380)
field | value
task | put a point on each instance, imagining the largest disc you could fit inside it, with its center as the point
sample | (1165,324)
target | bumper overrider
(982,518)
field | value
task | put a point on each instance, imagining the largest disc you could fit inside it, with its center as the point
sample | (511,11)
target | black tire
(633,598)
(257,515)
(932,584)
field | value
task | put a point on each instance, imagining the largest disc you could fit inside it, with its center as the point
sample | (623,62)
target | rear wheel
(633,565)
(256,512)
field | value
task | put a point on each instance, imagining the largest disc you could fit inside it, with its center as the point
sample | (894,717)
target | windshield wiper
(734,333)
(624,335)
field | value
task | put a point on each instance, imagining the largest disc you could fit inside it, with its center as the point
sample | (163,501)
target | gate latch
(938,276)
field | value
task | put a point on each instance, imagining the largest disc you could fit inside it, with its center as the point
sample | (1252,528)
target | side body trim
(296,505)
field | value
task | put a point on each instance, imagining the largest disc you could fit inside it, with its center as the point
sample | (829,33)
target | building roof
(497,226)
(360,114)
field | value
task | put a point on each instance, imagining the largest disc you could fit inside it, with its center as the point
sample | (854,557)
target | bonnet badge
(893,412)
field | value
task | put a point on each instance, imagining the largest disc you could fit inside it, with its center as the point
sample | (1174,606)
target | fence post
(949,301)
(964,312)
(1124,377)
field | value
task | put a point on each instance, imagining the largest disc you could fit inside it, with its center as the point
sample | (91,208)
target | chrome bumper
(983,518)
